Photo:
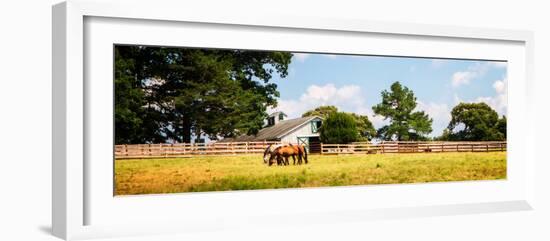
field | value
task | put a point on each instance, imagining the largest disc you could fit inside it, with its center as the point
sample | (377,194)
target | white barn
(303,130)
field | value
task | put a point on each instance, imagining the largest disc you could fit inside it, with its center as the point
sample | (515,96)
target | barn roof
(275,132)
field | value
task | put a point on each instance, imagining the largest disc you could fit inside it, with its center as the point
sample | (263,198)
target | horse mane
(277,146)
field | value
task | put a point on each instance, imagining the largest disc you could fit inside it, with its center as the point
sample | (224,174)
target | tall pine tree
(398,106)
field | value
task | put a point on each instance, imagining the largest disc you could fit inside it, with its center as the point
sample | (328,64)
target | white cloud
(499,102)
(462,78)
(377,120)
(475,71)
(440,113)
(329,94)
(500,86)
(348,98)
(301,56)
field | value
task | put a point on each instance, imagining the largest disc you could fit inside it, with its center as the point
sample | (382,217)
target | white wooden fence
(233,148)
(189,149)
(412,147)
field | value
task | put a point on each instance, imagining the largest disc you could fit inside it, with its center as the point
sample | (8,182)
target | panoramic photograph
(203,120)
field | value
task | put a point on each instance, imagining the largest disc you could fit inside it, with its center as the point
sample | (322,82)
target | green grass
(245,172)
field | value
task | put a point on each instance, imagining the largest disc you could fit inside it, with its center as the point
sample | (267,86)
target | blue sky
(354,83)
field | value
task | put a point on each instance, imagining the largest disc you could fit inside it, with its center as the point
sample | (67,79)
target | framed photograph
(167,119)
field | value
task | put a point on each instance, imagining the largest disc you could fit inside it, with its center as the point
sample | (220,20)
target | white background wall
(25,93)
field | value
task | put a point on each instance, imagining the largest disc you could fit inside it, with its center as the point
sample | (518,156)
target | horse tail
(296,151)
(305,153)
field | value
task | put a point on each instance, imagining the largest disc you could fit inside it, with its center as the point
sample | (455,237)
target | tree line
(469,121)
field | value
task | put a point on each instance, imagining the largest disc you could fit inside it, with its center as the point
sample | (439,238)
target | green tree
(364,126)
(321,111)
(133,123)
(475,122)
(445,136)
(166,94)
(339,128)
(501,126)
(398,106)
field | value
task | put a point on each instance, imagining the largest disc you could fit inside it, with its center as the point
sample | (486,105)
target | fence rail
(232,148)
(189,149)
(412,147)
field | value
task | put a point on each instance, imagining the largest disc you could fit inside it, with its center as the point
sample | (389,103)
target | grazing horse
(280,151)
(269,155)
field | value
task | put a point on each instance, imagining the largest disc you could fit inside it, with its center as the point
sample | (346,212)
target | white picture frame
(77,196)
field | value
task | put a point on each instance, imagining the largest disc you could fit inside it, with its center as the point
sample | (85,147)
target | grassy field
(246,172)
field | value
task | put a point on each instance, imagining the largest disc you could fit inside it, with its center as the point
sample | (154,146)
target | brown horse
(302,154)
(270,155)
(285,151)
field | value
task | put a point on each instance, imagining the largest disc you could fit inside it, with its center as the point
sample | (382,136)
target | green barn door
(304,141)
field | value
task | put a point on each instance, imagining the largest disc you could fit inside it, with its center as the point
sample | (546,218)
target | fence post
(322,149)
(487,147)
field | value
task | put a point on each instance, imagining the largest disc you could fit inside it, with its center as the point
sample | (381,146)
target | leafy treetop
(364,126)
(339,128)
(398,106)
(475,122)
